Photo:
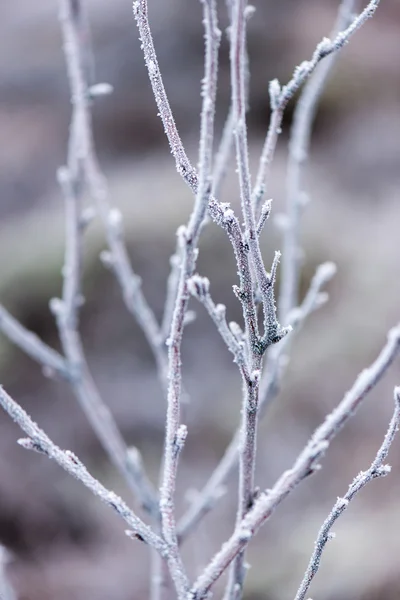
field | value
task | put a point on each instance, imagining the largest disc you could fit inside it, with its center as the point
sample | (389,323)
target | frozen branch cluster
(259,345)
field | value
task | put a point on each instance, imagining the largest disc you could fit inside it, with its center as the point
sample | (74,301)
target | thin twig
(280,97)
(199,288)
(299,143)
(220,213)
(205,499)
(66,312)
(170,299)
(377,469)
(118,258)
(39,441)
(176,432)
(305,465)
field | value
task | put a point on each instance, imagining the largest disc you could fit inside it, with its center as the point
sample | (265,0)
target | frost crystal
(152,67)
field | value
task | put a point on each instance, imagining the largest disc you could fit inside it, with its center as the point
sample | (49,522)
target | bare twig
(280,97)
(176,432)
(377,469)
(299,144)
(39,441)
(248,437)
(199,288)
(205,499)
(304,465)
(172,287)
(221,214)
(118,258)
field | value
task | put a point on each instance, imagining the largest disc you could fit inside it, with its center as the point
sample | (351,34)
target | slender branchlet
(248,343)
(376,470)
(176,432)
(270,382)
(39,441)
(299,143)
(199,287)
(306,463)
(75,46)
(220,213)
(279,97)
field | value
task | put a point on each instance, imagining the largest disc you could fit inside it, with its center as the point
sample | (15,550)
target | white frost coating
(274,93)
(152,67)
(342,502)
(301,69)
(228,214)
(181,435)
(325,45)
(245,535)
(385,469)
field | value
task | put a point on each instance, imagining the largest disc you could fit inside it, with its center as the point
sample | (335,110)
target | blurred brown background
(64,544)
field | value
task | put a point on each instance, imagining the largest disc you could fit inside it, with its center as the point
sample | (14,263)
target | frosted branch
(130,283)
(281,96)
(39,441)
(199,288)
(377,469)
(305,464)
(269,386)
(175,431)
(299,143)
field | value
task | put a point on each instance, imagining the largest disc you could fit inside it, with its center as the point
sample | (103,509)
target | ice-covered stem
(176,432)
(277,357)
(66,312)
(39,441)
(172,286)
(377,469)
(299,143)
(75,48)
(279,97)
(272,330)
(304,466)
(81,170)
(220,213)
(259,278)
(269,386)
(199,287)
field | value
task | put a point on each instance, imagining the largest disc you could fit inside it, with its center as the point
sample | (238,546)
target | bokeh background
(63,544)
